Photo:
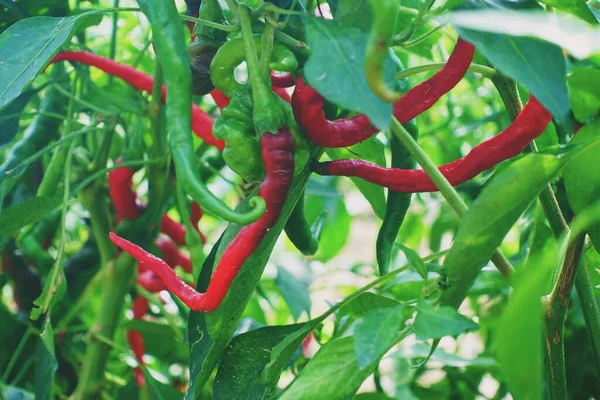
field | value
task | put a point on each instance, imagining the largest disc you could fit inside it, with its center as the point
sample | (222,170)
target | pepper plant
(177,221)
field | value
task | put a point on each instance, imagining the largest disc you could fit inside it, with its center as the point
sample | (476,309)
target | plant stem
(297,46)
(158,174)
(266,44)
(555,314)
(260,90)
(120,277)
(481,69)
(445,188)
(113,36)
(211,24)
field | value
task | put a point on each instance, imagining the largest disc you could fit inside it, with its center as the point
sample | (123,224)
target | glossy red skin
(175,230)
(528,125)
(121,193)
(278,155)
(195,217)
(136,341)
(282,80)
(307,104)
(201,122)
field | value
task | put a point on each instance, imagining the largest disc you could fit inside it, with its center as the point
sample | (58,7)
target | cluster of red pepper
(278,148)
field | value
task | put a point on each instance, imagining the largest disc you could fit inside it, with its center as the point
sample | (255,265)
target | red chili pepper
(201,122)
(195,217)
(175,230)
(528,125)
(308,104)
(278,155)
(136,341)
(220,99)
(122,194)
(282,80)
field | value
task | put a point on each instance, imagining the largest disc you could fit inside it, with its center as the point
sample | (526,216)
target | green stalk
(480,69)
(158,174)
(267,114)
(555,314)
(445,188)
(113,36)
(120,277)
(267,37)
(54,172)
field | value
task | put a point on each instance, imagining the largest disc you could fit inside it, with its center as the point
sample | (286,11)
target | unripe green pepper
(242,151)
(233,53)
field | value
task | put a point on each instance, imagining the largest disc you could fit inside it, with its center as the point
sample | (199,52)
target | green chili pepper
(44,127)
(300,233)
(397,202)
(207,42)
(232,54)
(385,13)
(172,53)
(242,151)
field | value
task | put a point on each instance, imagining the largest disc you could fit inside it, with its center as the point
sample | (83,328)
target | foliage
(491,285)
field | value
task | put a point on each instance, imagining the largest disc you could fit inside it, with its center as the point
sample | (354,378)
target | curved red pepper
(528,125)
(278,155)
(201,122)
(307,104)
(121,193)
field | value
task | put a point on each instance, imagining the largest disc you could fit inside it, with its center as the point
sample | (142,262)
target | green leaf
(575,7)
(415,259)
(45,363)
(491,216)
(27,46)
(584,91)
(242,380)
(335,69)
(518,345)
(364,303)
(159,341)
(336,228)
(538,65)
(435,323)
(14,218)
(577,37)
(376,333)
(295,292)
(422,350)
(333,374)
(10,116)
(354,13)
(372,150)
(582,175)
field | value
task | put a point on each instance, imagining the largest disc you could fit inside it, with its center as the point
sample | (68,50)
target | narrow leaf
(335,69)
(487,222)
(376,333)
(435,323)
(27,46)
